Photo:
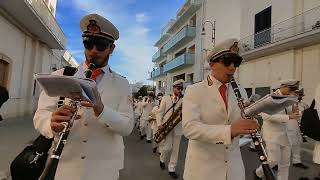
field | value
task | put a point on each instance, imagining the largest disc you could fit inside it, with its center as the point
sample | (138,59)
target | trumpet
(52,163)
(256,137)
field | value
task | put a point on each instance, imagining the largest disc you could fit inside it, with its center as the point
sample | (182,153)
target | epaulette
(116,73)
(210,82)
(197,82)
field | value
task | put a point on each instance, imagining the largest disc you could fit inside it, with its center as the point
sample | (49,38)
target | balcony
(300,31)
(158,56)
(184,13)
(157,72)
(164,34)
(182,37)
(179,62)
(36,18)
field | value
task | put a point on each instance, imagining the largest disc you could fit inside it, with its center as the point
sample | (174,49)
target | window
(262,91)
(181,76)
(190,78)
(180,53)
(249,91)
(4,70)
(262,28)
(193,21)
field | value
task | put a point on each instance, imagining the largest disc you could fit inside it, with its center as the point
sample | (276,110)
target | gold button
(227,148)
(85,124)
(83,157)
(84,141)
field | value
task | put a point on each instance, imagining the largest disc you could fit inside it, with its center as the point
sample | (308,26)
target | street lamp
(213,30)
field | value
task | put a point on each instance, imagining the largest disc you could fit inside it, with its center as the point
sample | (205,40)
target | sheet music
(270,104)
(67,86)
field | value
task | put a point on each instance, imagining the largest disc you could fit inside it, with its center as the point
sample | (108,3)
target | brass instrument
(169,125)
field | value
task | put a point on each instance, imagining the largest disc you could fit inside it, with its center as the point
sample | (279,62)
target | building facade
(185,41)
(280,40)
(31,42)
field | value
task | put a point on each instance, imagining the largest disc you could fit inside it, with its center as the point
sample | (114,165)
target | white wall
(26,57)
(227,17)
(302,64)
(281,10)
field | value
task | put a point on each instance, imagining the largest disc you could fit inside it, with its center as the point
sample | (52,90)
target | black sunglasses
(228,59)
(178,87)
(101,44)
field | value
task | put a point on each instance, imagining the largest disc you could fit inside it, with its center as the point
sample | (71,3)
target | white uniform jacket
(139,108)
(166,103)
(146,109)
(293,126)
(206,123)
(275,127)
(152,115)
(94,149)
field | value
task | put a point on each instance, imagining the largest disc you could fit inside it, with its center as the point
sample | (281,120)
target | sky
(139,23)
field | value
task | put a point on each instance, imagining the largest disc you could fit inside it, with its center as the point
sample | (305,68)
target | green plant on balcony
(246,46)
(316,25)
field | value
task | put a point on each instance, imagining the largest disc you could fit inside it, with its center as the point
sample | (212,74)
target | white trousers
(154,144)
(277,155)
(296,157)
(149,131)
(143,127)
(170,143)
(296,150)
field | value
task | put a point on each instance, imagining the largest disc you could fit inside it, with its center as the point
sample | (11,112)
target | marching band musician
(276,134)
(212,120)
(295,133)
(172,141)
(316,152)
(147,107)
(153,122)
(95,148)
(139,112)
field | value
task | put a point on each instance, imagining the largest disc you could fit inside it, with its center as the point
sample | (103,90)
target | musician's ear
(112,46)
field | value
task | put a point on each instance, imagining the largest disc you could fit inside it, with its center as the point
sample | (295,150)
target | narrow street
(140,162)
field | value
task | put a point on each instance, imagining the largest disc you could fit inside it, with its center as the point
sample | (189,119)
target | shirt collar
(217,82)
(105,69)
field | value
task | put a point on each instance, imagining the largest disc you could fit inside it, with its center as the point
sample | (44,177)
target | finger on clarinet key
(86,104)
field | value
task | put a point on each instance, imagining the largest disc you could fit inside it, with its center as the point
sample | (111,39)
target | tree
(143,91)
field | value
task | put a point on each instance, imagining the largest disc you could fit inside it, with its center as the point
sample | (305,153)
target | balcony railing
(184,35)
(48,19)
(303,23)
(158,55)
(179,62)
(157,72)
(184,13)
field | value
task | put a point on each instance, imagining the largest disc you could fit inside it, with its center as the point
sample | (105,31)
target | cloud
(141,18)
(134,49)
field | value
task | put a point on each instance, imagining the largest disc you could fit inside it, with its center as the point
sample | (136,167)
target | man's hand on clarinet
(294,116)
(243,126)
(98,107)
(61,116)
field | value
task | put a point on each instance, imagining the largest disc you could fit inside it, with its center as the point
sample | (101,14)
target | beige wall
(302,64)
(227,26)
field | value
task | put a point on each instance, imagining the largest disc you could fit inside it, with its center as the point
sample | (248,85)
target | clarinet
(52,162)
(256,137)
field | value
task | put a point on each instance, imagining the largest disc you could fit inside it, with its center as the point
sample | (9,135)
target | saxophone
(169,125)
